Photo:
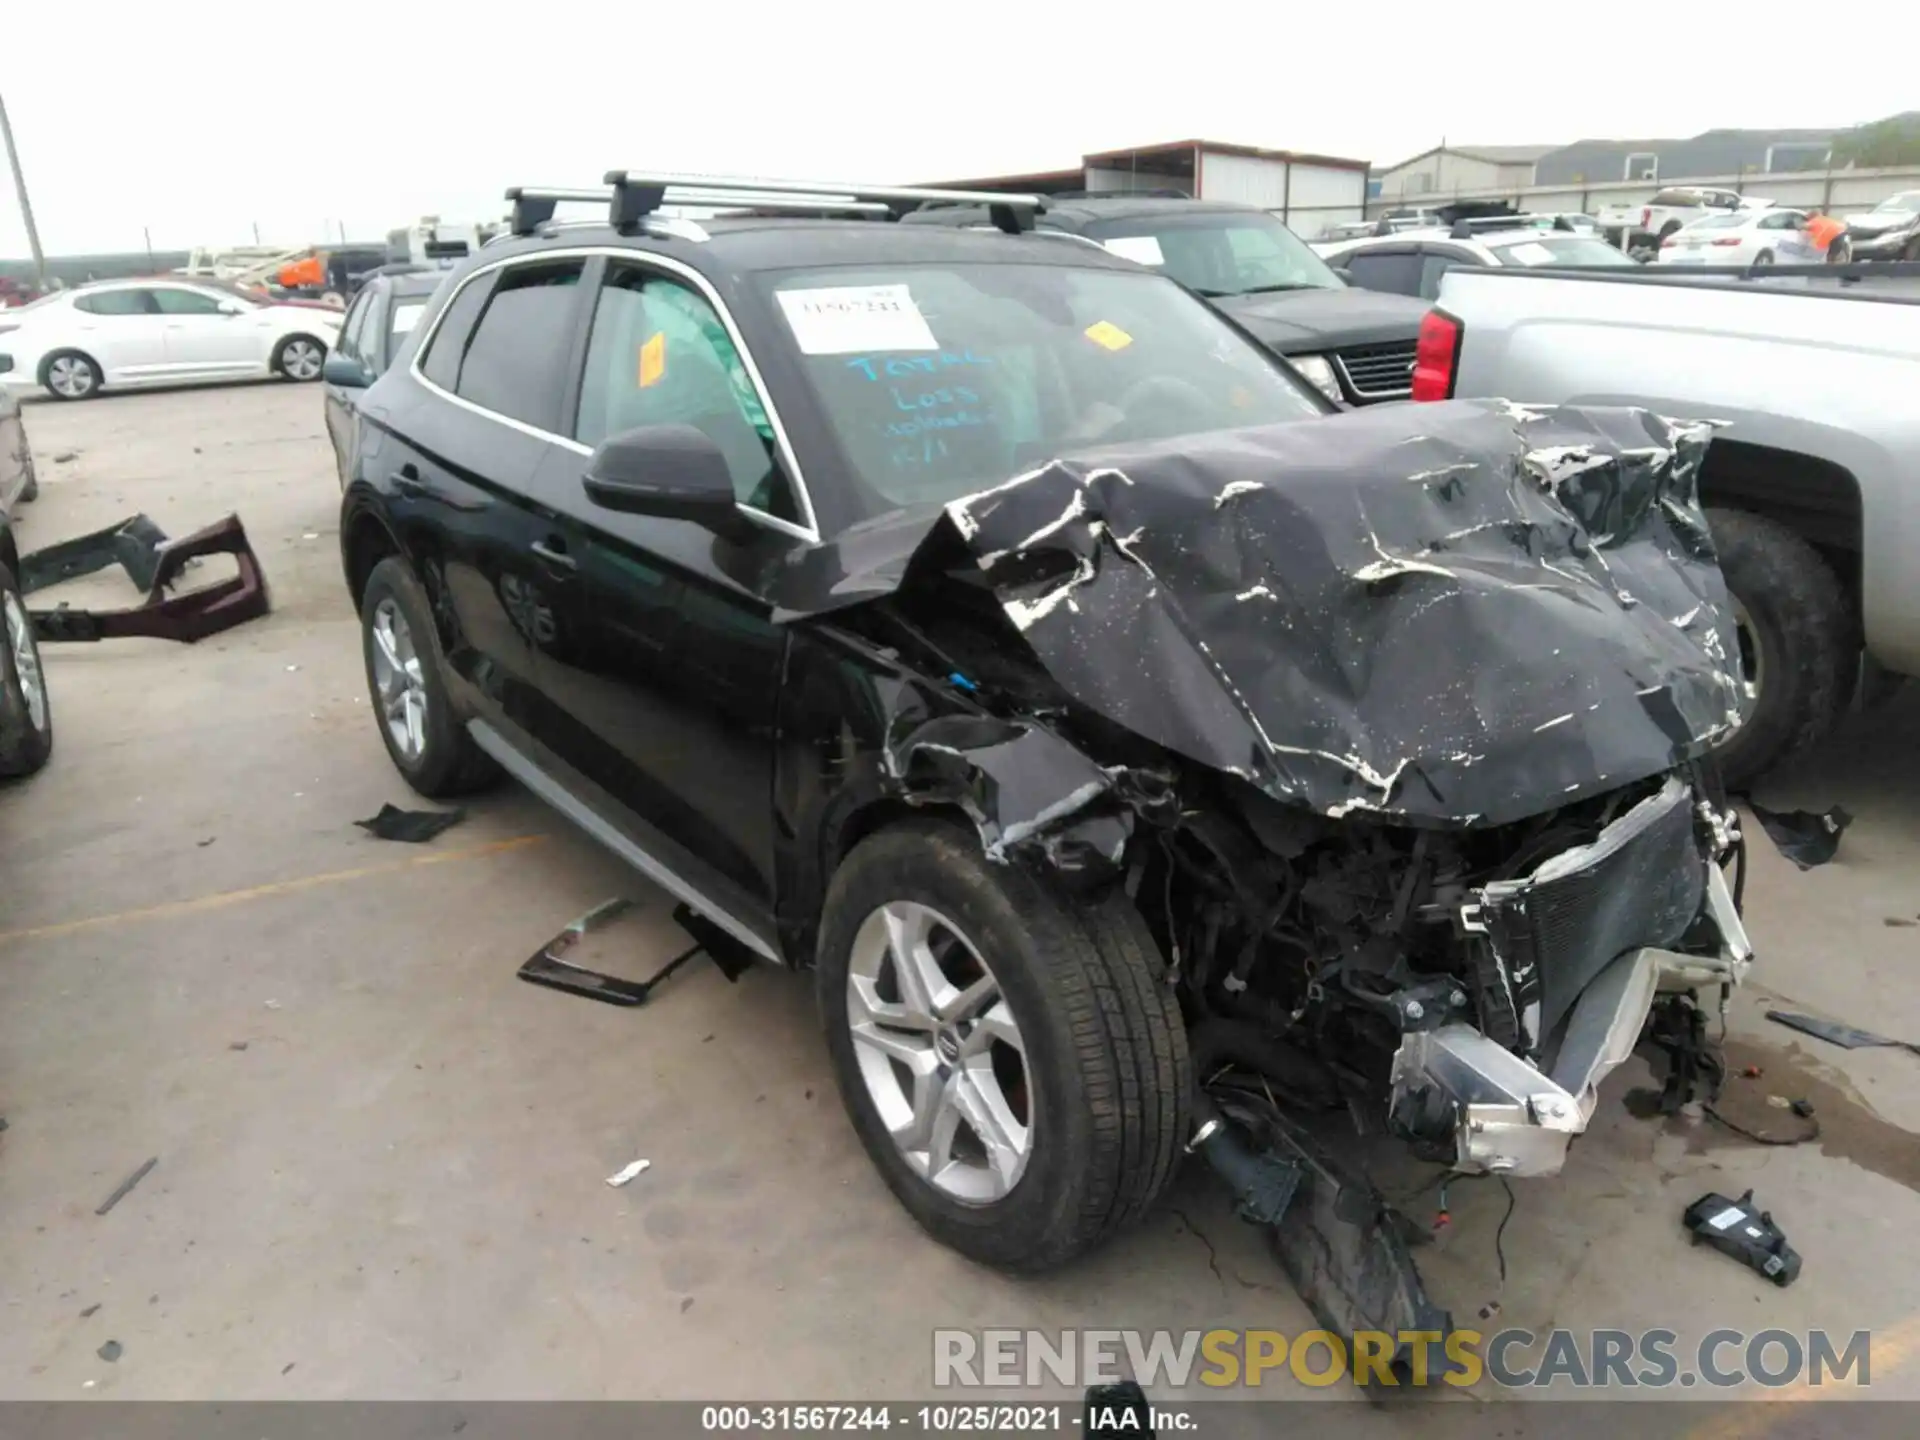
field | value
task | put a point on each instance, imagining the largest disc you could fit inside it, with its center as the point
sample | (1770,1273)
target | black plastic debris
(121,1190)
(547,967)
(1834,1033)
(414,827)
(1804,837)
(1740,1229)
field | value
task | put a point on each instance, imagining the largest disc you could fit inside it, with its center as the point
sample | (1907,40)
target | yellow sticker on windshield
(1109,335)
(653,360)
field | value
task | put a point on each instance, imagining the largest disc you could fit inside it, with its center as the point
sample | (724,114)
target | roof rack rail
(637,194)
(533,207)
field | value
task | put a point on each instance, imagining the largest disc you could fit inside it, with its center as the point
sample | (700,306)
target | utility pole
(26,206)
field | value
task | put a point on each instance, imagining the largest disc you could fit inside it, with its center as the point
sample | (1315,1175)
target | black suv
(1356,346)
(1125,738)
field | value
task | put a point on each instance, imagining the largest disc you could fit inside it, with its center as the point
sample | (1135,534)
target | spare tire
(1799,642)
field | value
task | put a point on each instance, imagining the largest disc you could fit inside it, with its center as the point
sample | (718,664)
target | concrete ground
(382,1157)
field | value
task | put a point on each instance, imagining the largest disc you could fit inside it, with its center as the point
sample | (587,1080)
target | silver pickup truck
(1813,483)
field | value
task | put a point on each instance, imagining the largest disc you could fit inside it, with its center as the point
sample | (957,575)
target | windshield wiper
(1286,285)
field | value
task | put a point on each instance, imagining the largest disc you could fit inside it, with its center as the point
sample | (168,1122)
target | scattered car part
(121,1190)
(414,827)
(547,967)
(1835,1033)
(628,1173)
(134,545)
(1747,1233)
(1805,837)
(186,617)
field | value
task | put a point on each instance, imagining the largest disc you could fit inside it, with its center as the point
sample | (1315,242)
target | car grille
(1377,372)
(1641,882)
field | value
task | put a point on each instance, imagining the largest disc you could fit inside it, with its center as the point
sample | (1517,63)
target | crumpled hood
(1457,614)
(1879,222)
(1297,321)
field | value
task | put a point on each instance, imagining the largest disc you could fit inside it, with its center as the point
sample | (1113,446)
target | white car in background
(160,331)
(1746,237)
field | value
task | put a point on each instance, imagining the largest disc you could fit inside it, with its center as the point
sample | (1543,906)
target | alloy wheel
(399,680)
(940,1052)
(70,376)
(1753,663)
(302,359)
(26,661)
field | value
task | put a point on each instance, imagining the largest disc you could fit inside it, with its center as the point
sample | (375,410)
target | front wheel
(26,716)
(300,357)
(1799,645)
(424,737)
(1012,1061)
(69,375)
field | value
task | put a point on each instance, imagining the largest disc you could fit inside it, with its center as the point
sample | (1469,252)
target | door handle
(554,556)
(408,482)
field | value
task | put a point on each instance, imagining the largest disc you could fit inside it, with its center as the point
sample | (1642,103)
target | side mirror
(1343,272)
(345,371)
(674,471)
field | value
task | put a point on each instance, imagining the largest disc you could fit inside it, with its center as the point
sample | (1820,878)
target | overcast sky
(199,131)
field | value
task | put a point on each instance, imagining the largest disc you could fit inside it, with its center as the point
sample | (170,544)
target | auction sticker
(846,319)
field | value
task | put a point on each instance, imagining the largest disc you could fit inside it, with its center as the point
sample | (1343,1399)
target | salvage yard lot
(382,1157)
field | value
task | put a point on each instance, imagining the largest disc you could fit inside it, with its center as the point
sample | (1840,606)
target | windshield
(940,380)
(1905,202)
(1218,252)
(1559,249)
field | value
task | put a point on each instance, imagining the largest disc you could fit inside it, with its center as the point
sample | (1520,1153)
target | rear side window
(185,302)
(514,364)
(449,346)
(115,302)
(1398,274)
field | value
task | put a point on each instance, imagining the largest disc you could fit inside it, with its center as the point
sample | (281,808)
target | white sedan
(1746,237)
(148,332)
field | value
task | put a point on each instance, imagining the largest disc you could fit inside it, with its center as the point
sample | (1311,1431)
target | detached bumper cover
(156,565)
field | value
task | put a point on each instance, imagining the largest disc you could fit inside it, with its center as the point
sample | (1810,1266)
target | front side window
(1395,271)
(1222,252)
(514,362)
(115,302)
(659,355)
(185,302)
(938,380)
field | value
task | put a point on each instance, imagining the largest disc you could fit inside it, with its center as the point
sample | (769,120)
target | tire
(26,712)
(1799,624)
(30,490)
(409,692)
(1840,251)
(1765,257)
(70,375)
(300,358)
(1105,1081)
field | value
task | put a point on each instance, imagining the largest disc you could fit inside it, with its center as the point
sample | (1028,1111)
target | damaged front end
(1395,737)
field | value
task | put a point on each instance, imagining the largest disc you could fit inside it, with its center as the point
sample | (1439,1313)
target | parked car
(18,482)
(26,714)
(140,332)
(377,326)
(1889,231)
(1355,347)
(1746,237)
(1637,226)
(1412,264)
(989,625)
(1809,485)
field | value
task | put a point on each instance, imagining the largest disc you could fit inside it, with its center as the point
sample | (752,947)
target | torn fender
(1450,614)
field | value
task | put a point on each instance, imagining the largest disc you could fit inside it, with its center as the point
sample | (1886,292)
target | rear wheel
(26,716)
(1012,1062)
(1765,257)
(1799,645)
(300,357)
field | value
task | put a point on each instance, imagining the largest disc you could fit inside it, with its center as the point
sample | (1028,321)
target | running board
(516,764)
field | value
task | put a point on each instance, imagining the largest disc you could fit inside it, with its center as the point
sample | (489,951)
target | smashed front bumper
(1506,1114)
